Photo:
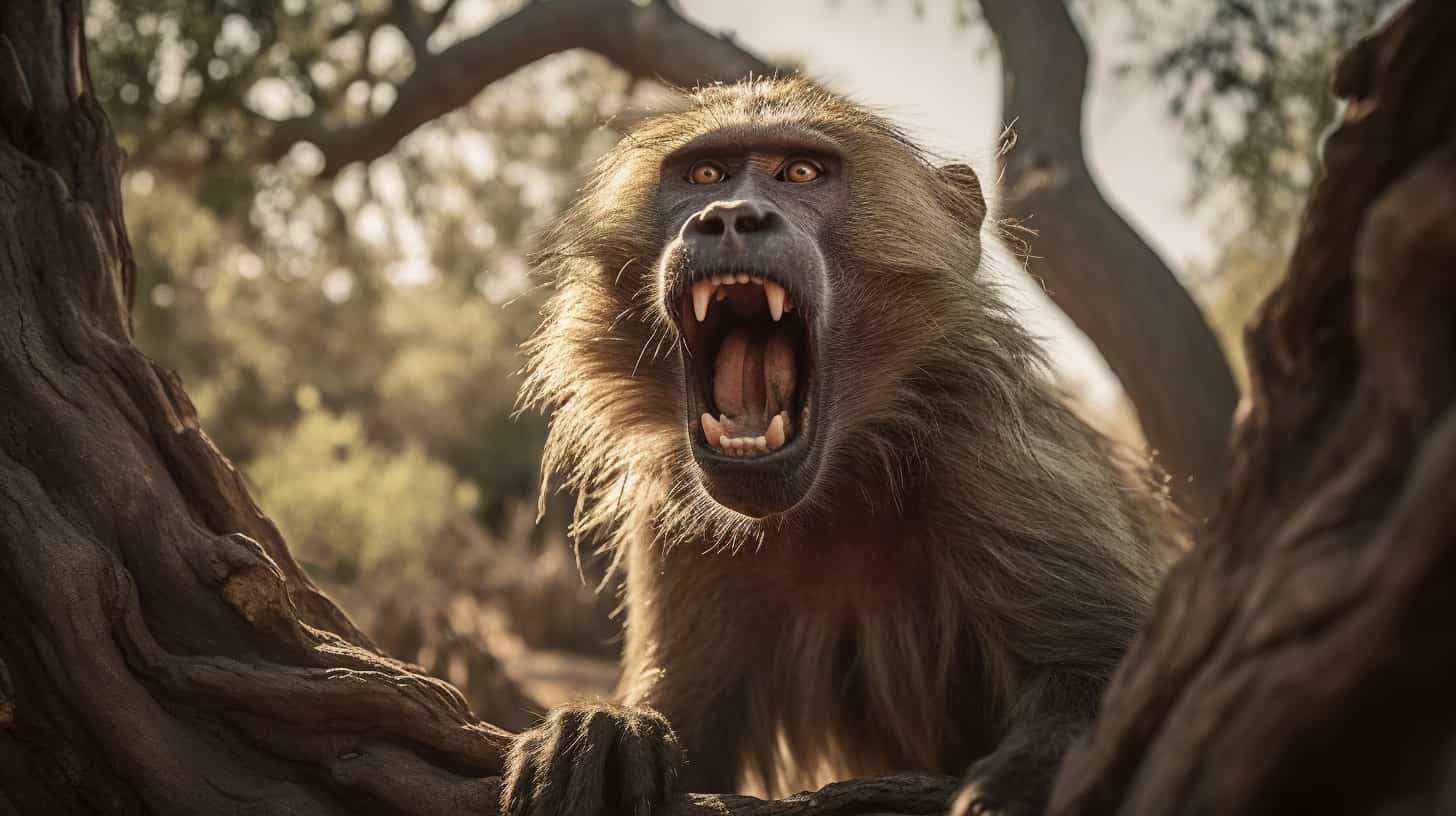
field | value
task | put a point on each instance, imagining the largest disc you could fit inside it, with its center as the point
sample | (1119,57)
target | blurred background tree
(349,340)
(1248,84)
(348,328)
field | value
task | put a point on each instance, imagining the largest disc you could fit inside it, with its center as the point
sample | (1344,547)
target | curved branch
(896,795)
(431,792)
(1153,336)
(651,41)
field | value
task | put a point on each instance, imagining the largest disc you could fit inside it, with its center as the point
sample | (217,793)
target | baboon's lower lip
(749,370)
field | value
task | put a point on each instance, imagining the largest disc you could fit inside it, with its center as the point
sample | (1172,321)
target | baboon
(860,532)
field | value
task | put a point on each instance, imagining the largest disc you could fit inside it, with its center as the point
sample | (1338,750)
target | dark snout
(736,233)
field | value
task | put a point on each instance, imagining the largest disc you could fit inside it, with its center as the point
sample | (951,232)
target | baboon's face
(766,300)
(745,279)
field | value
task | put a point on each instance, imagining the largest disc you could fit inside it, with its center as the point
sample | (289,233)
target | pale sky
(941,82)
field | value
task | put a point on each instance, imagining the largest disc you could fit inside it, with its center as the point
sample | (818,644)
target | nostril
(735,218)
(756,222)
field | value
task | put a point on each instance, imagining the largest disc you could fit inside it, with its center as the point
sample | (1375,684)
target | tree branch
(652,41)
(431,792)
(1095,266)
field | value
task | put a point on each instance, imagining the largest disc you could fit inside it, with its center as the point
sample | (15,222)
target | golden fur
(972,552)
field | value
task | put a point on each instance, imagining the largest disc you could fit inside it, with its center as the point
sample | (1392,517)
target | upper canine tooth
(702,293)
(775,294)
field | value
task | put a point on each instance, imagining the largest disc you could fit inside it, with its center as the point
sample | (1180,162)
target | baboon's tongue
(754,376)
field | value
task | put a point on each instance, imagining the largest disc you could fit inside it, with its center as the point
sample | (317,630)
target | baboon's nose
(729,222)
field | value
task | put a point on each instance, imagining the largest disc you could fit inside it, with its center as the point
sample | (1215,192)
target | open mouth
(749,366)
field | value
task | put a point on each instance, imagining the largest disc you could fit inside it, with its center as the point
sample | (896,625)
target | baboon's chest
(839,571)
(880,667)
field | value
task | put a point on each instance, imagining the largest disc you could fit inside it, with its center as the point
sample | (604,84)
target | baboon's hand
(592,760)
(1007,783)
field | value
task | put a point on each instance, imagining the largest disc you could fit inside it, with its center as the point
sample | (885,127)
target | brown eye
(706,173)
(801,170)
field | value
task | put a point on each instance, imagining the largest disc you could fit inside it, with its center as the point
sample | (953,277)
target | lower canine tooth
(774,437)
(712,430)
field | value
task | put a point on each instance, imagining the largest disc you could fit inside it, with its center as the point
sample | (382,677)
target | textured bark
(648,40)
(160,650)
(1302,660)
(1095,267)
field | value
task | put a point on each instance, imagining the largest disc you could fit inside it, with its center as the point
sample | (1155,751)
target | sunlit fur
(1026,550)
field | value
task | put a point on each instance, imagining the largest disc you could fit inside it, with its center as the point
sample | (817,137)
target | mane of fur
(1031,519)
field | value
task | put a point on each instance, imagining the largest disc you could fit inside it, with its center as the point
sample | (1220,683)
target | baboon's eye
(706,172)
(800,171)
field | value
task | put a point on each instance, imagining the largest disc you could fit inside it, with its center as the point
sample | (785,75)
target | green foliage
(382,288)
(452,386)
(1248,81)
(347,340)
(350,507)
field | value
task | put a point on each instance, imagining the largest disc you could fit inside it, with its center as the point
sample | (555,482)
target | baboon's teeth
(716,430)
(712,429)
(774,437)
(702,293)
(721,295)
(741,277)
(775,295)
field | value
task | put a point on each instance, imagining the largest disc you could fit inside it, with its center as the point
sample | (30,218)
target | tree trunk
(1095,267)
(160,649)
(1302,660)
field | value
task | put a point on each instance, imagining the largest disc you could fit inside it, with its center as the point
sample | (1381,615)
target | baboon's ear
(961,193)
